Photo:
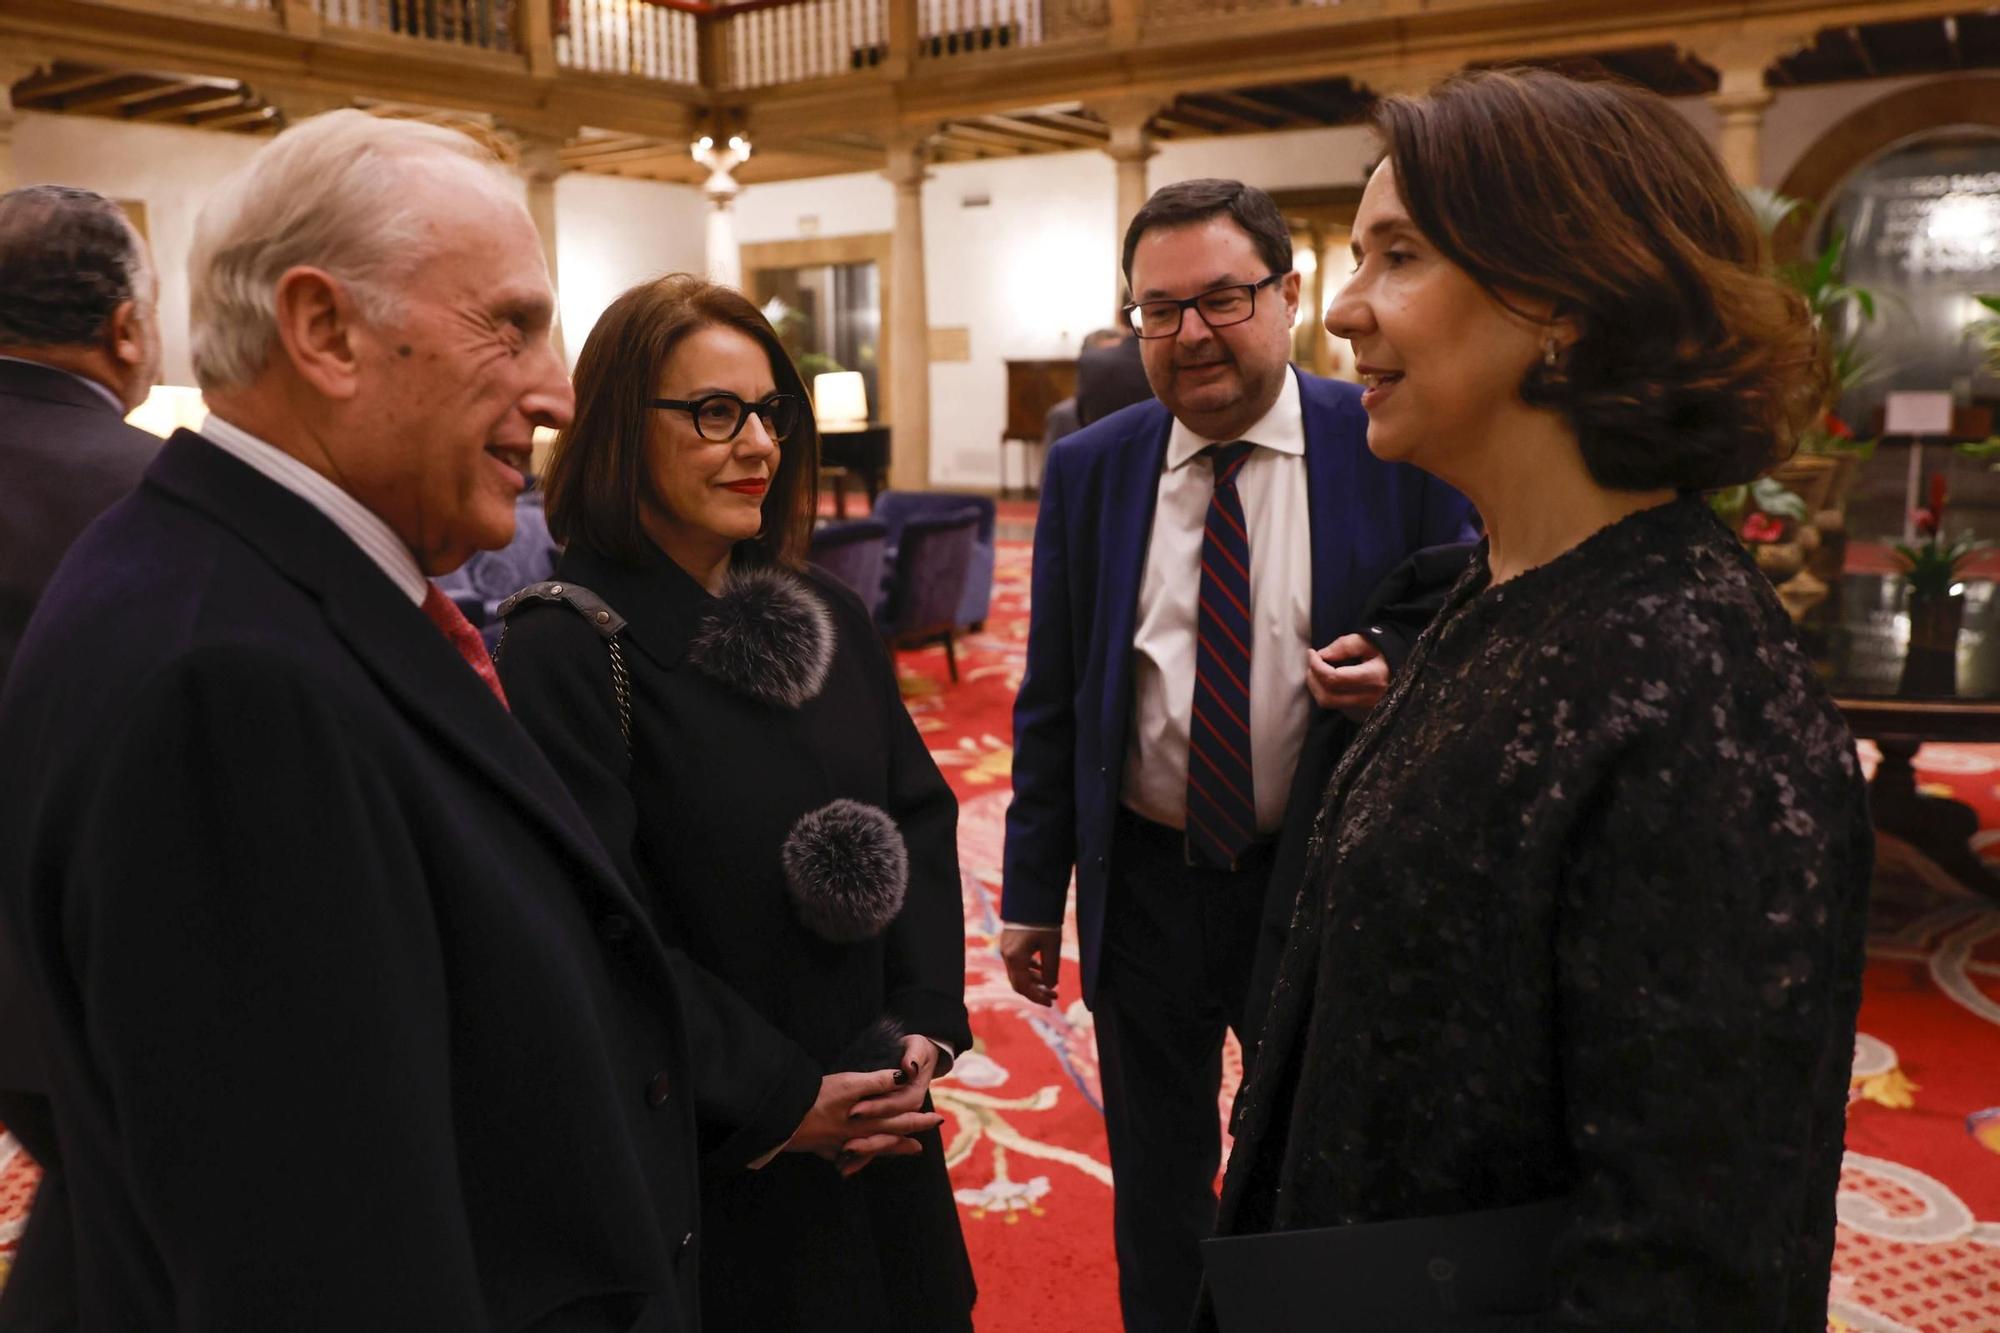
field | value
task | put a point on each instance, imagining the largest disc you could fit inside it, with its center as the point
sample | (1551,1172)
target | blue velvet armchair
(896,508)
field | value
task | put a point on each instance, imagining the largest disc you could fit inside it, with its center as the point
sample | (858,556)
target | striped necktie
(1221,794)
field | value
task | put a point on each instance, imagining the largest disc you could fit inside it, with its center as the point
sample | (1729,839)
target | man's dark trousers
(1178,949)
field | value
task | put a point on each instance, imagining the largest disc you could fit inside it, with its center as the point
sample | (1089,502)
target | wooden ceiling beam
(230,119)
(636,153)
(177,103)
(55,84)
(1067,120)
(609,143)
(1260,106)
(860,154)
(102,98)
(1056,134)
(1199,108)
(972,134)
(1861,51)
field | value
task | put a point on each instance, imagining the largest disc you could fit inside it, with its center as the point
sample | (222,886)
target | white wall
(1289,160)
(612,233)
(1799,117)
(1027,273)
(852,205)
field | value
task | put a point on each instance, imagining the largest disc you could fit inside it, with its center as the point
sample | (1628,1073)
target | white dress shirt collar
(1283,428)
(108,396)
(361,525)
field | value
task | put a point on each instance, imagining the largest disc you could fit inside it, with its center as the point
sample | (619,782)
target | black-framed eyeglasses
(720,416)
(1219,307)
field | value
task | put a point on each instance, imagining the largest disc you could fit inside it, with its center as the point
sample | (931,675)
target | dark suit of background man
(79,348)
(1110,374)
(350,1022)
(1166,693)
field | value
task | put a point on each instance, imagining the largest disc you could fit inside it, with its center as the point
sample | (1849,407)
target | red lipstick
(748,486)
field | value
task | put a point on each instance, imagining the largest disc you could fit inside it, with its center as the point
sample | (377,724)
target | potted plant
(1932,570)
(1829,458)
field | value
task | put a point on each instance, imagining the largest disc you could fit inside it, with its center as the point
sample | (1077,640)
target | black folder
(1484,1272)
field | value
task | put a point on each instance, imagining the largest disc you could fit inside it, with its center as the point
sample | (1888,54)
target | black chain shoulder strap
(600,617)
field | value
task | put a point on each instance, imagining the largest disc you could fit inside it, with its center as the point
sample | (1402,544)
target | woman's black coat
(1583,920)
(725,760)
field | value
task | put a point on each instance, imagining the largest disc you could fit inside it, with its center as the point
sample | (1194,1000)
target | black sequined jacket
(1583,919)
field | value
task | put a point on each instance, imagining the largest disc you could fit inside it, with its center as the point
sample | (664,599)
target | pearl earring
(1550,353)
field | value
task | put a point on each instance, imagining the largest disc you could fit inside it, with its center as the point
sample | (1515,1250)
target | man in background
(79,348)
(1110,374)
(1201,564)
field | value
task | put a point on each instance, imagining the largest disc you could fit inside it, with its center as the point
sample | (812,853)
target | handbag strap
(596,613)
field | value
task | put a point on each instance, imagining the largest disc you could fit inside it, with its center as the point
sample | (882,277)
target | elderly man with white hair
(351,1023)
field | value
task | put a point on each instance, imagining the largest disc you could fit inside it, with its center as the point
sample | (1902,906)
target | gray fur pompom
(847,870)
(767,637)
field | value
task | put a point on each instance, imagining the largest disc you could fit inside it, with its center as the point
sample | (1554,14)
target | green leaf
(1777,500)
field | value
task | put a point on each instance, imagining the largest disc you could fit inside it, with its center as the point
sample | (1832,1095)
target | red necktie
(458,631)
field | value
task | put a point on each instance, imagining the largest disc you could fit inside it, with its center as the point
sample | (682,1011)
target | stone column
(725,257)
(1741,142)
(1131,147)
(1739,60)
(909,362)
(541,167)
(13,69)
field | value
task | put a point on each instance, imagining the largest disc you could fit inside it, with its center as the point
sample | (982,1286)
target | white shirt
(1272,485)
(108,396)
(370,533)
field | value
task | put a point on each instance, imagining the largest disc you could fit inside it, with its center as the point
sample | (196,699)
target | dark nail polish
(902,1076)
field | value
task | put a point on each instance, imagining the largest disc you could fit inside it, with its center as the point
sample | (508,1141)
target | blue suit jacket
(1073,714)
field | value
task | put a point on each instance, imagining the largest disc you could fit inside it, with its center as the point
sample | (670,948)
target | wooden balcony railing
(952,28)
(738,45)
(487,25)
(632,37)
(1177,11)
(816,39)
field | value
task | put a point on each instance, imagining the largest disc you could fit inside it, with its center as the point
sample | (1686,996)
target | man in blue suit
(1200,566)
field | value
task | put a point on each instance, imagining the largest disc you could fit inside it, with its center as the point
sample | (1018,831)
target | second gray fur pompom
(847,870)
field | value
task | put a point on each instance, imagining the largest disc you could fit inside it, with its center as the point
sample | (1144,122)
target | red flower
(1926,521)
(1834,426)
(1938,490)
(1761,527)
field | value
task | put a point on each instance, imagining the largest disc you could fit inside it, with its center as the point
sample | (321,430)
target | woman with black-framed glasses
(729,721)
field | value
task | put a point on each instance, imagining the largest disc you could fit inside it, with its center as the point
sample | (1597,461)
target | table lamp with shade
(840,401)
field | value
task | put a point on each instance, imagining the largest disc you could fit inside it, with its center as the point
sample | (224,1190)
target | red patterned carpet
(1919,1245)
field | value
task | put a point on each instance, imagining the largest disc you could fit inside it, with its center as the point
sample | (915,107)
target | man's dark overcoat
(351,1021)
(66,455)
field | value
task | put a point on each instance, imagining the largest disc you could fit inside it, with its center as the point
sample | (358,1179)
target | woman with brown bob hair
(730,722)
(1570,985)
